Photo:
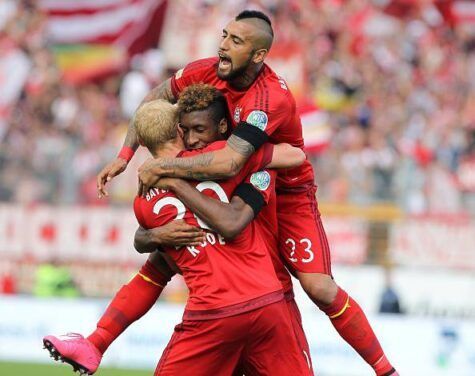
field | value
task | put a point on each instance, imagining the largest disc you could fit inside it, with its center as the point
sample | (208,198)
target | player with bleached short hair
(201,112)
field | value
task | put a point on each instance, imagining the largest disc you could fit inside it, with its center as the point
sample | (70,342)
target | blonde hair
(156,123)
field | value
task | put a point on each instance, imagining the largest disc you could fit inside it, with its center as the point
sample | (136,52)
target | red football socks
(351,323)
(130,303)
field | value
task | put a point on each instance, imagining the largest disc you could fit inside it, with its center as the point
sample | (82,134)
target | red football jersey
(267,104)
(220,274)
(267,223)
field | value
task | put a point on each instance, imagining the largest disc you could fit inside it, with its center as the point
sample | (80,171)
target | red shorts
(302,240)
(298,332)
(297,327)
(262,341)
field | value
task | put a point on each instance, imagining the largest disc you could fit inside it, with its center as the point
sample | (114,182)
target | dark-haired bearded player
(262,108)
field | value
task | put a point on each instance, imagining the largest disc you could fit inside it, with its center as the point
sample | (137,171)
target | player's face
(199,129)
(236,50)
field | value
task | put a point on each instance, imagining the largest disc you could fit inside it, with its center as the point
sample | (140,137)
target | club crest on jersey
(237,114)
(258,119)
(178,74)
(260,180)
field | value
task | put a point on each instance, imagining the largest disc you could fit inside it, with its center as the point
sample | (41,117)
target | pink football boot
(76,350)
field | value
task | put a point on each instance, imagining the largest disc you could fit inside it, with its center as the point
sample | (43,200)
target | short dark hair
(200,97)
(255,14)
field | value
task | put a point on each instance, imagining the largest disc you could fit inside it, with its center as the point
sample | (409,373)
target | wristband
(126,153)
(251,134)
(251,197)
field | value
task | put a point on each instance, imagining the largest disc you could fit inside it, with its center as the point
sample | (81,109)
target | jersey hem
(234,309)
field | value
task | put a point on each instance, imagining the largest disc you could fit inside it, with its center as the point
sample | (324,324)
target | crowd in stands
(397,86)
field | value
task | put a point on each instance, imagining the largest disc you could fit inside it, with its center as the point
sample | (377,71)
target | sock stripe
(347,305)
(147,279)
(379,360)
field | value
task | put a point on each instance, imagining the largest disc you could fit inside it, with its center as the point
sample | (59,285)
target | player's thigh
(303,242)
(272,347)
(205,348)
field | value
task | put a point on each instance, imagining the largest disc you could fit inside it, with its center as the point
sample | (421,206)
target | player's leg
(203,348)
(348,319)
(296,319)
(130,303)
(304,246)
(272,345)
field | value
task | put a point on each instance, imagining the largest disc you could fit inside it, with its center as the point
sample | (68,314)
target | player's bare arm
(286,156)
(162,91)
(174,234)
(219,164)
(227,219)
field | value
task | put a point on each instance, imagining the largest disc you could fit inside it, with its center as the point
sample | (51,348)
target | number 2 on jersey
(181,210)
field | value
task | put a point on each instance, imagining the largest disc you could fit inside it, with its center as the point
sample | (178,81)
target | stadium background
(386,93)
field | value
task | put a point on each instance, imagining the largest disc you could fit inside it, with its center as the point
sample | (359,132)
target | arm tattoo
(202,160)
(187,167)
(240,146)
(131,137)
(231,171)
(174,165)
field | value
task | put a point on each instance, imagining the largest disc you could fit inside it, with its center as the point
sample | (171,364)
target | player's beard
(235,73)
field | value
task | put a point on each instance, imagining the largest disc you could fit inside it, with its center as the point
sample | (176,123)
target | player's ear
(259,56)
(180,131)
(223,126)
(139,139)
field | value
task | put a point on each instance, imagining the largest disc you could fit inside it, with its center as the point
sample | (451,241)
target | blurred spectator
(52,280)
(389,298)
(7,284)
(146,72)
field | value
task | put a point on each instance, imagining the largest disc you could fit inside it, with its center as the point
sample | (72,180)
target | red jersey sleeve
(195,72)
(268,118)
(268,111)
(257,190)
(263,182)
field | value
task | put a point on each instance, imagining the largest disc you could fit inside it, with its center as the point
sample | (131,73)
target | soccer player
(262,108)
(232,313)
(202,118)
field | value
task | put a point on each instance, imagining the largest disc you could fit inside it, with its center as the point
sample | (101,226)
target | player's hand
(167,183)
(110,171)
(148,176)
(177,234)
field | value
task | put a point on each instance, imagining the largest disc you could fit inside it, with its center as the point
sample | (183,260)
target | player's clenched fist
(111,170)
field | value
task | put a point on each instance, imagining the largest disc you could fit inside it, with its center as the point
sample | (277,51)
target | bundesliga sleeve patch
(258,119)
(260,180)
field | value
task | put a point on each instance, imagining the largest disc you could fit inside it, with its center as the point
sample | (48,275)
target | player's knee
(319,287)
